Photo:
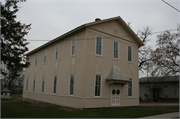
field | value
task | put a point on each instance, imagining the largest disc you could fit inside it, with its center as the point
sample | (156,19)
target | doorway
(115,95)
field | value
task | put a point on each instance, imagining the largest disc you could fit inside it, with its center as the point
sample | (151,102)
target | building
(93,65)
(167,87)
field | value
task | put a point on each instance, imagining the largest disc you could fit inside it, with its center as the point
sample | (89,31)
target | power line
(107,37)
(171,6)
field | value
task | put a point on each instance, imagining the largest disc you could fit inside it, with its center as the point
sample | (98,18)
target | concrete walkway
(167,116)
(159,104)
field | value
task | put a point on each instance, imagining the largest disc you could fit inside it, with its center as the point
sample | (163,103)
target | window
(34,85)
(43,84)
(26,84)
(71,90)
(57,52)
(98,85)
(165,85)
(36,59)
(73,47)
(129,53)
(54,84)
(116,49)
(99,45)
(45,56)
(130,88)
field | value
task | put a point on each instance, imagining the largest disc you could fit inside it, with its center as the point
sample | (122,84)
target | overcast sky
(52,18)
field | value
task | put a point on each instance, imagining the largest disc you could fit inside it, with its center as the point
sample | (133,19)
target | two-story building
(93,65)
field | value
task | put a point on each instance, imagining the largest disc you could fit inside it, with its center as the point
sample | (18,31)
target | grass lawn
(15,108)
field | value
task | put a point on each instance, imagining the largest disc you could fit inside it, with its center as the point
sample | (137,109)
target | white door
(115,95)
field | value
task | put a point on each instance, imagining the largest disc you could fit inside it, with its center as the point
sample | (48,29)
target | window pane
(129,53)
(129,91)
(98,85)
(71,89)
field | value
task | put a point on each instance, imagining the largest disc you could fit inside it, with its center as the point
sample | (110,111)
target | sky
(53,18)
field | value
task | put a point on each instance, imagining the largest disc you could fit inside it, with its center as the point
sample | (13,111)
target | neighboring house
(167,87)
(86,67)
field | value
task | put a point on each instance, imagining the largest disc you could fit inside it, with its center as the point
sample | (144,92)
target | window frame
(70,84)
(95,86)
(45,56)
(131,89)
(42,86)
(117,50)
(74,38)
(131,53)
(54,84)
(36,58)
(101,45)
(57,52)
(29,60)
(34,81)
(26,84)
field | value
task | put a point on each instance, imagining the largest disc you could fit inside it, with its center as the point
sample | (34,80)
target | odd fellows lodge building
(94,65)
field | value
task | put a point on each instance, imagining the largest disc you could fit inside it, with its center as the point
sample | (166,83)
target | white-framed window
(29,60)
(54,84)
(43,81)
(73,46)
(36,59)
(115,50)
(130,88)
(71,85)
(99,45)
(34,84)
(45,56)
(26,84)
(129,53)
(57,52)
(98,86)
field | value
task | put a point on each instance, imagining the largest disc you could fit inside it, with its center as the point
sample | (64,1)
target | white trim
(75,45)
(58,52)
(45,55)
(95,86)
(36,59)
(118,50)
(131,53)
(131,88)
(70,84)
(101,47)
(53,84)
(42,84)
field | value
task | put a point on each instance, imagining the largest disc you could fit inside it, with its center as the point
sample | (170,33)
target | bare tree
(144,51)
(166,57)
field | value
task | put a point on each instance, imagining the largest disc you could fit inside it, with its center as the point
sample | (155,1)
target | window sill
(73,56)
(99,55)
(130,62)
(116,58)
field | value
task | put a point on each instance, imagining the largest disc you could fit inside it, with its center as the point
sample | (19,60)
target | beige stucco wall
(85,64)
(103,64)
(63,67)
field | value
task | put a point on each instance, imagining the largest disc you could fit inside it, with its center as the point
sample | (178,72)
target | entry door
(115,95)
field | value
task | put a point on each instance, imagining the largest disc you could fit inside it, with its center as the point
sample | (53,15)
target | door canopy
(116,76)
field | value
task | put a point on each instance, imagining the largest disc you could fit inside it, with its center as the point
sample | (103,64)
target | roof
(5,90)
(117,75)
(140,43)
(160,79)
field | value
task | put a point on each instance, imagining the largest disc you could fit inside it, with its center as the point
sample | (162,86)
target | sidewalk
(167,116)
(158,104)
